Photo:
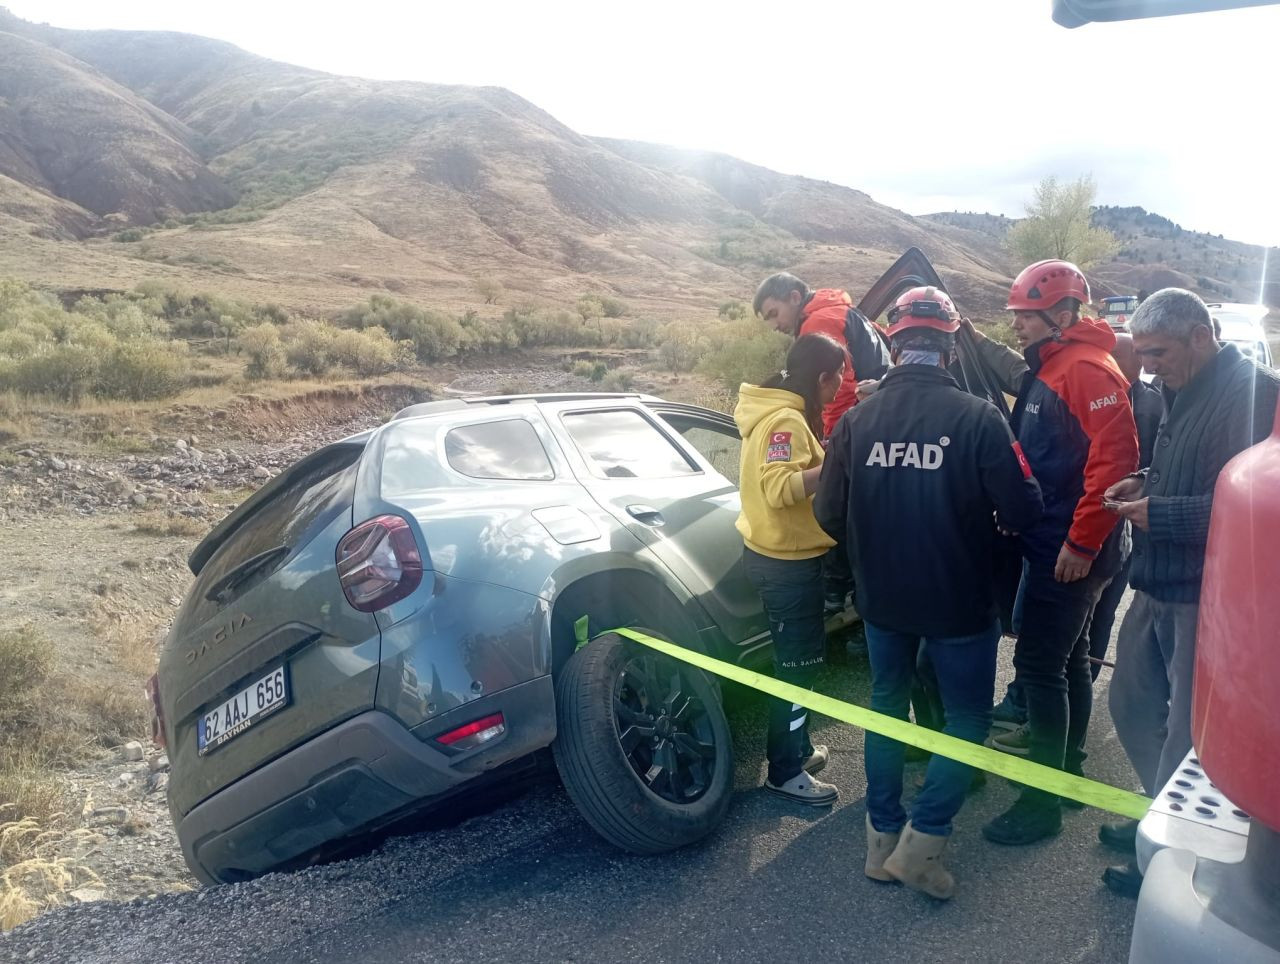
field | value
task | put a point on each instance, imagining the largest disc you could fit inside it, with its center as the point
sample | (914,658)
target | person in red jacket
(1075,425)
(788,304)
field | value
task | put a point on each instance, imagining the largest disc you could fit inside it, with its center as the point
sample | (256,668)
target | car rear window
(623,444)
(508,449)
(290,517)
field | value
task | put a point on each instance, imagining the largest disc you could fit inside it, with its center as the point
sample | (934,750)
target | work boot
(917,862)
(1016,741)
(1027,821)
(817,759)
(1125,880)
(1121,836)
(803,788)
(879,847)
(1007,715)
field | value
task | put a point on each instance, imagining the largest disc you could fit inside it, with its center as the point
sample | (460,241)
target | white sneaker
(817,759)
(805,789)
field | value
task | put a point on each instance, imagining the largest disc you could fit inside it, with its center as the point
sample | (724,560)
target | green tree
(490,289)
(1058,225)
(590,308)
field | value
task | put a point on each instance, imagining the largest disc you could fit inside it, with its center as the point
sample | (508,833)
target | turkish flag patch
(779,452)
(778,438)
(1022,460)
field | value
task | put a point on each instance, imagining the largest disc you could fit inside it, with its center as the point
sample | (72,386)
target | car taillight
(379,563)
(474,733)
(157,711)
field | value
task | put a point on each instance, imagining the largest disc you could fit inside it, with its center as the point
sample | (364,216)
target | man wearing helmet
(1075,424)
(933,465)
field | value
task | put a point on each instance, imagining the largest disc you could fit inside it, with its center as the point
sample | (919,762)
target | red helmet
(1042,285)
(924,307)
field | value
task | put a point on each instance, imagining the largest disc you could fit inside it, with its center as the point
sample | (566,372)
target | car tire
(613,720)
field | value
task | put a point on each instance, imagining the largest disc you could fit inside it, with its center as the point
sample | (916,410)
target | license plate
(228,720)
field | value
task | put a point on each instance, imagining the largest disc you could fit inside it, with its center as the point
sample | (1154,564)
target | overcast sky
(928,105)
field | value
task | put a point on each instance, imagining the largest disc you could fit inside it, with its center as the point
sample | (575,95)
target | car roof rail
(557,397)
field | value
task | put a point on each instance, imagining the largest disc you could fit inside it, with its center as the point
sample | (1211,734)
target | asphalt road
(528,880)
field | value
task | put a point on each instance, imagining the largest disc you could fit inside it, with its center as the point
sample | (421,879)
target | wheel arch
(629,597)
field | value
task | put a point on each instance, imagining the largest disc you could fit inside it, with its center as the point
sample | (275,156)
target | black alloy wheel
(663,726)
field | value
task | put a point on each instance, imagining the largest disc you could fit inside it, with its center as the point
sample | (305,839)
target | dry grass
(112,716)
(169,524)
(29,793)
(34,879)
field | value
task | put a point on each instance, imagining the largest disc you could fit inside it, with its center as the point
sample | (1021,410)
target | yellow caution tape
(1090,792)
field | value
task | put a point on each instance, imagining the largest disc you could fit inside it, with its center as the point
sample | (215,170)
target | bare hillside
(69,131)
(272,182)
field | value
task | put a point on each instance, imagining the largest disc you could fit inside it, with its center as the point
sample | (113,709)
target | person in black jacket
(915,480)
(1217,403)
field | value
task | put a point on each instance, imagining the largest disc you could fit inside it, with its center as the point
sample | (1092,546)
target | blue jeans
(791,590)
(965,667)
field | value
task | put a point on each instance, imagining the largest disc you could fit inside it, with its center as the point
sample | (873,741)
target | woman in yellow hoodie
(781,422)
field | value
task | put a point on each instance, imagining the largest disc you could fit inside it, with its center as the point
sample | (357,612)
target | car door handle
(646,514)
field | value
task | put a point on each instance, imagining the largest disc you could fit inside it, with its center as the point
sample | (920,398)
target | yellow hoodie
(777,446)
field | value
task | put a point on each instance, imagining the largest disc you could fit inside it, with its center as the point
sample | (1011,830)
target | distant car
(1241,325)
(392,620)
(1117,311)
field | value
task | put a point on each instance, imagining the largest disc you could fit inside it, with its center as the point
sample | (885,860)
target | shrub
(129,234)
(744,351)
(612,307)
(266,353)
(617,381)
(734,310)
(589,308)
(26,659)
(641,333)
(490,289)
(598,371)
(434,335)
(309,347)
(370,352)
(142,369)
(485,335)
(16,343)
(67,372)
(681,347)
(583,369)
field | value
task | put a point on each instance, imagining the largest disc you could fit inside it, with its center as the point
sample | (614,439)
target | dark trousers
(837,576)
(926,696)
(791,590)
(1051,660)
(1104,616)
(965,670)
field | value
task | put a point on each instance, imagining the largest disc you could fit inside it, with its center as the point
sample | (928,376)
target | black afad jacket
(914,479)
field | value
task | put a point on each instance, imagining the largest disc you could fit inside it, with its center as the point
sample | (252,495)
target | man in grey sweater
(1217,403)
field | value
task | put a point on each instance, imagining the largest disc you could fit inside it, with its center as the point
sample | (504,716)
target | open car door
(914,269)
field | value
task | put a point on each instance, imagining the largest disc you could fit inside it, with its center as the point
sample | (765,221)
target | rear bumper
(348,779)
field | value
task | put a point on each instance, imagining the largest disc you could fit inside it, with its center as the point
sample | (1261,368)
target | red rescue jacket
(1075,425)
(825,313)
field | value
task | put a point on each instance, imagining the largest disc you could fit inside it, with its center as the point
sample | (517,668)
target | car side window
(623,444)
(719,445)
(507,450)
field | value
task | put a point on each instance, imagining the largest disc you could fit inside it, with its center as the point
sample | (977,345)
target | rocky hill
(128,155)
